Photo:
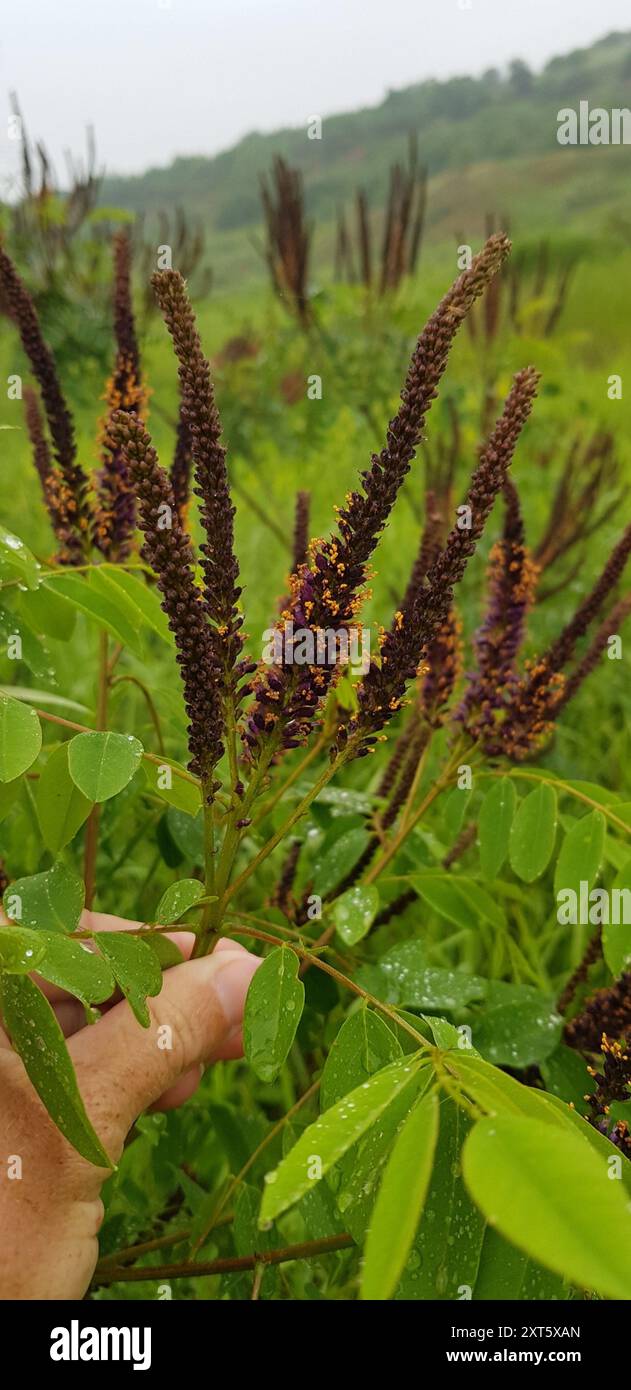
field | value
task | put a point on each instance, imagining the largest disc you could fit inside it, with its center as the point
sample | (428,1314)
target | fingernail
(231,979)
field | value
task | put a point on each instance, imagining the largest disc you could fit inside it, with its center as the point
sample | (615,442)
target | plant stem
(147,1247)
(294,933)
(92,828)
(202,943)
(211,920)
(411,796)
(297,772)
(233,1264)
(279,835)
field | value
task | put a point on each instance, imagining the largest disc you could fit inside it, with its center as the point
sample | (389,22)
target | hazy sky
(164,77)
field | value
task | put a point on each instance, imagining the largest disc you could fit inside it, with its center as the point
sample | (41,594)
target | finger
(225,943)
(233,1048)
(183,1089)
(123,1068)
(187,1085)
(70,1015)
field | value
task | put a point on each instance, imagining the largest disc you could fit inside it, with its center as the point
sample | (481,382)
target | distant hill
(489,144)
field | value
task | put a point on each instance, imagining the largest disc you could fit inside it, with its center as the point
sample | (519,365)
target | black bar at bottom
(153,1338)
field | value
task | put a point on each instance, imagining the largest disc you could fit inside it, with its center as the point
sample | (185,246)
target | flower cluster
(587,494)
(537,697)
(201,420)
(206,622)
(512,580)
(431,540)
(613,1086)
(406,643)
(326,592)
(167,548)
(301,530)
(70,515)
(115,511)
(181,468)
(608,1011)
(107,520)
(441,669)
(288,237)
(53,490)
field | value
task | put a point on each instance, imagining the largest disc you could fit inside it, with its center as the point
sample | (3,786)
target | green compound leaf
(17,557)
(166,950)
(9,793)
(553,1197)
(446,1252)
(337,859)
(460,900)
(19,641)
(533,833)
(177,900)
(519,1032)
(187,833)
(108,609)
(273,1009)
(507,1274)
(327,1140)
(75,968)
(400,1201)
(403,976)
(21,950)
(363,1045)
(499,1094)
(176,790)
(494,826)
(101,764)
(581,854)
(354,912)
(135,967)
(61,808)
(37,1037)
(617,933)
(52,901)
(20,738)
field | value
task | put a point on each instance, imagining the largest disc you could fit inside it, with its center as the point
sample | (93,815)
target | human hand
(51,1214)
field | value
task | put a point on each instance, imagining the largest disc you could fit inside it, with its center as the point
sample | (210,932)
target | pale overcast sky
(159,78)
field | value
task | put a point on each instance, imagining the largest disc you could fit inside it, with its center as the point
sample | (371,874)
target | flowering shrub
(431,1089)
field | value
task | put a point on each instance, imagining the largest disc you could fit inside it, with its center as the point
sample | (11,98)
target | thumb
(123,1068)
